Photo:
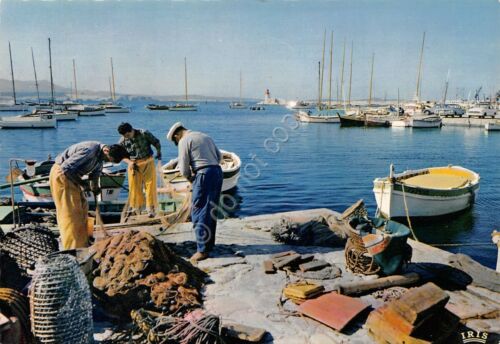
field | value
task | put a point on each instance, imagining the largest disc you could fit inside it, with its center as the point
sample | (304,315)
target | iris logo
(474,337)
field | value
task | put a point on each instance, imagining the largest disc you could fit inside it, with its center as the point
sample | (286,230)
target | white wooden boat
(183,107)
(114,108)
(237,106)
(401,123)
(28,122)
(91,110)
(492,126)
(231,165)
(302,105)
(427,192)
(58,115)
(422,121)
(320,117)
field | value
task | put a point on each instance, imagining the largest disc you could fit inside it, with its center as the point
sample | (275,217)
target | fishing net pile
(20,249)
(60,301)
(135,270)
(317,232)
(196,327)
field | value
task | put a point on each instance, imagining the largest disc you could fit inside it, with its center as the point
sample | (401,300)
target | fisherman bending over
(141,167)
(199,160)
(66,186)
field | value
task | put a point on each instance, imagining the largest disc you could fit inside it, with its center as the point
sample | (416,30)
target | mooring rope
(407,212)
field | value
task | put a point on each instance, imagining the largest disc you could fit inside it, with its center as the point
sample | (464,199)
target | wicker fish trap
(20,249)
(60,302)
(15,304)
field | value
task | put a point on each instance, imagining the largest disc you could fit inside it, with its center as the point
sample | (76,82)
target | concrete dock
(466,122)
(241,292)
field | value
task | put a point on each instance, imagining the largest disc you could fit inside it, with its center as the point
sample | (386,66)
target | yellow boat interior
(443,178)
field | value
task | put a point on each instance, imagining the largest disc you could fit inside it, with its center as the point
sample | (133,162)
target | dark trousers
(207,187)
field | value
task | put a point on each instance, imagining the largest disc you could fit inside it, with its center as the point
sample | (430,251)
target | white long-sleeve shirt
(197,150)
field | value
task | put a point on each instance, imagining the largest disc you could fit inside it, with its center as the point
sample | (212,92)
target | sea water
(290,166)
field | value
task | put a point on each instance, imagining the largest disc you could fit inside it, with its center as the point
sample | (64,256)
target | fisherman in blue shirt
(199,160)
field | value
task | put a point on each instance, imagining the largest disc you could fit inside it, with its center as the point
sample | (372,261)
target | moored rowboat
(231,165)
(427,192)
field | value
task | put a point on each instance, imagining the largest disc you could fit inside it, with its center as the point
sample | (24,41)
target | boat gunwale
(397,183)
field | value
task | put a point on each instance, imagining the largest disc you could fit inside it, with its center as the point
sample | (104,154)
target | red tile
(333,310)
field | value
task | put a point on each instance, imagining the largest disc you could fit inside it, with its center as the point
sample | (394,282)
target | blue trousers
(207,187)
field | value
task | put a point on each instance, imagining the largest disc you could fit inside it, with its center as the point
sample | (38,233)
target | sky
(276,44)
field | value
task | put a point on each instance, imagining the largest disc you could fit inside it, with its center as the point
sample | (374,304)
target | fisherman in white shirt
(199,160)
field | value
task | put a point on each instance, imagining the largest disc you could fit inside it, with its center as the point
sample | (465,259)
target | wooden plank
(289,260)
(417,303)
(466,305)
(269,267)
(481,275)
(314,265)
(362,287)
(282,254)
(305,258)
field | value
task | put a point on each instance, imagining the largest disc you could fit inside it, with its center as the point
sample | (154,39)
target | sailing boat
(238,105)
(15,106)
(322,114)
(113,107)
(419,119)
(368,117)
(186,106)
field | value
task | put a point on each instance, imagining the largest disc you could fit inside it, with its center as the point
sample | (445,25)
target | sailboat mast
(419,74)
(71,89)
(36,79)
(51,78)
(446,87)
(12,75)
(240,86)
(110,88)
(342,74)
(319,84)
(322,72)
(185,79)
(113,94)
(350,73)
(74,79)
(330,76)
(371,81)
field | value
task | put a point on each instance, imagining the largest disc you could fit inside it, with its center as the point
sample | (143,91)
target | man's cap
(173,129)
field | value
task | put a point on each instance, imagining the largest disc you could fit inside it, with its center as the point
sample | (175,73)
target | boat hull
(92,113)
(350,121)
(67,116)
(180,184)
(492,127)
(28,124)
(425,123)
(187,108)
(121,110)
(422,202)
(40,192)
(306,118)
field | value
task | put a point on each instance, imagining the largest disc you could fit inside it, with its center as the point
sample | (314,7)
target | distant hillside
(27,89)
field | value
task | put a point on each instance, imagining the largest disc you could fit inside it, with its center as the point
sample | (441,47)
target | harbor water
(289,166)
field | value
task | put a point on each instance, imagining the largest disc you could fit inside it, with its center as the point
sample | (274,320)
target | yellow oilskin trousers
(144,176)
(72,209)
